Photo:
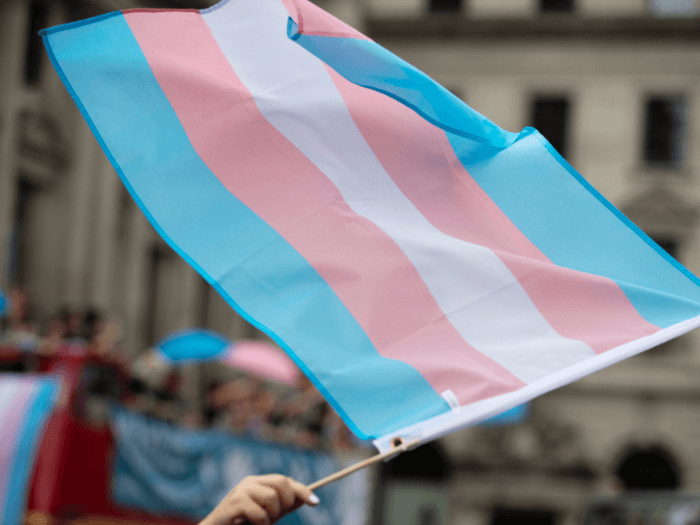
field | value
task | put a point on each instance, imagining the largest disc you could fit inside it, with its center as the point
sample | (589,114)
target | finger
(268,497)
(299,490)
(304,493)
(283,486)
(271,479)
(254,512)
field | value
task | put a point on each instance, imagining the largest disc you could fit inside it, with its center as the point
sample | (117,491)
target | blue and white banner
(169,470)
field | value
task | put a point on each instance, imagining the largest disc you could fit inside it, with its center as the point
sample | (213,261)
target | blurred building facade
(613,84)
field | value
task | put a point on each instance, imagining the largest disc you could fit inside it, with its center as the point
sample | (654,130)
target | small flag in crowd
(424,267)
(26,403)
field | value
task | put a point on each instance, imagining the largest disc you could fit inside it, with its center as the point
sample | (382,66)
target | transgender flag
(25,405)
(425,268)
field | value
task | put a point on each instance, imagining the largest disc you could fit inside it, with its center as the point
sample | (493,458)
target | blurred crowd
(246,405)
(242,403)
(68,330)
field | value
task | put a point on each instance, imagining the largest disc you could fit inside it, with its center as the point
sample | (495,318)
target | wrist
(211,519)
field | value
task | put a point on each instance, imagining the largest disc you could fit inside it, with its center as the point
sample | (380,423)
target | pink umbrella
(261,359)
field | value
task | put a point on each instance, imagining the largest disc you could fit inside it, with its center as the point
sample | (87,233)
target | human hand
(261,500)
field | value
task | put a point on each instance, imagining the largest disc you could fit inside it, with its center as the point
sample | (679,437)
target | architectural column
(187,318)
(188,315)
(105,236)
(240,329)
(136,286)
(80,223)
(12,38)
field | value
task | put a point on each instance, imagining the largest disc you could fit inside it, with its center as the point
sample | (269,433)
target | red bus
(71,476)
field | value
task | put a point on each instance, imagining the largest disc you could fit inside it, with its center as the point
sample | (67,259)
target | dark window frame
(557,6)
(522,516)
(543,110)
(446,6)
(671,244)
(37,19)
(665,130)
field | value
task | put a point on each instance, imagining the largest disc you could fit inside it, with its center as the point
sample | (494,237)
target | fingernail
(314,499)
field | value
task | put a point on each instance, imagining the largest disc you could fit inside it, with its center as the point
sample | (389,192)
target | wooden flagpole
(399,446)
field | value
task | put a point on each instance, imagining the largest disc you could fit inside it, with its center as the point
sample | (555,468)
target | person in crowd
(263,404)
(230,405)
(304,414)
(73,321)
(74,342)
(101,335)
(192,419)
(54,336)
(91,324)
(21,332)
(137,398)
(105,342)
(261,500)
(336,433)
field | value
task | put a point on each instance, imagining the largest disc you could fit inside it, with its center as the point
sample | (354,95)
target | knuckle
(288,498)
(258,516)
(267,493)
(285,482)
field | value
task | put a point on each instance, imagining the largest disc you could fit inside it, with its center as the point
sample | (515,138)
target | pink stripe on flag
(12,421)
(272,177)
(419,158)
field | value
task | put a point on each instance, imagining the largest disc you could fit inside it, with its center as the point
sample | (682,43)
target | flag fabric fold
(425,268)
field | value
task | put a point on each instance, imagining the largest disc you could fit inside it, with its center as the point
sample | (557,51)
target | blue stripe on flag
(368,64)
(264,278)
(554,206)
(29,435)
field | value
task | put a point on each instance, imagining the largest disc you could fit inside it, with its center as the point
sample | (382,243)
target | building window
(510,516)
(674,8)
(20,243)
(649,469)
(38,13)
(445,6)
(556,6)
(550,116)
(665,130)
(667,243)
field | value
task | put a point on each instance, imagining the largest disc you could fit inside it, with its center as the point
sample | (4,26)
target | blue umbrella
(192,345)
(4,304)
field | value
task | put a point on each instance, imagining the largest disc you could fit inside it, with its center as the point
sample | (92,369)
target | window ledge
(663,171)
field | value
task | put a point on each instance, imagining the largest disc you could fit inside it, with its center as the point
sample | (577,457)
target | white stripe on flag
(8,389)
(465,416)
(475,290)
